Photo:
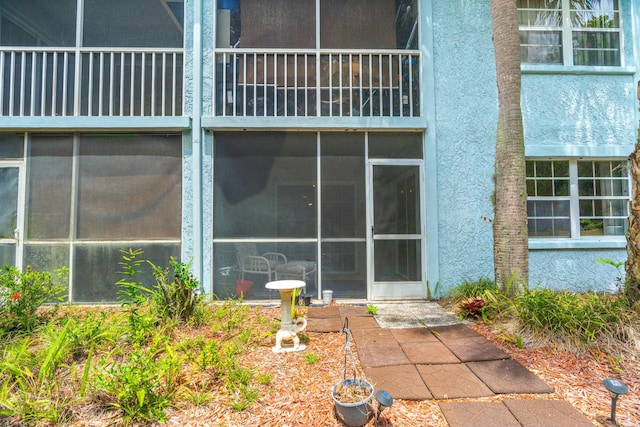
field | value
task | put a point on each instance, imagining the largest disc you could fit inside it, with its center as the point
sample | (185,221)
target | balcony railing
(91,82)
(363,83)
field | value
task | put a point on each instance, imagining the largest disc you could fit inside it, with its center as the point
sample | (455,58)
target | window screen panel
(11,146)
(343,189)
(357,24)
(97,270)
(128,23)
(394,145)
(38,23)
(278,24)
(49,187)
(129,187)
(262,179)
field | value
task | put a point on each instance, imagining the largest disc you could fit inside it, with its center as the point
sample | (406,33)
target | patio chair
(251,262)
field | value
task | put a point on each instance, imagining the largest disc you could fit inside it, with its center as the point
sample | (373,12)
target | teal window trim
(567,152)
(576,70)
(584,243)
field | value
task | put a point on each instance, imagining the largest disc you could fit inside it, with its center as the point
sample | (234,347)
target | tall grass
(575,322)
(472,288)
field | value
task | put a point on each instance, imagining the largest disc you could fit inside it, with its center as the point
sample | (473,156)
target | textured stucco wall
(561,112)
(574,270)
(466,117)
(578,110)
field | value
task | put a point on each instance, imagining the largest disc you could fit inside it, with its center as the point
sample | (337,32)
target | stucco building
(348,143)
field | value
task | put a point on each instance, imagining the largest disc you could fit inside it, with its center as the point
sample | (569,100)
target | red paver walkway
(447,362)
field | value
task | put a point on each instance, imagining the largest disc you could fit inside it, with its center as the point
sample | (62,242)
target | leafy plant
(372,309)
(480,299)
(576,321)
(30,390)
(86,329)
(143,385)
(295,293)
(620,277)
(179,298)
(472,289)
(435,293)
(22,293)
(311,358)
(134,296)
(471,307)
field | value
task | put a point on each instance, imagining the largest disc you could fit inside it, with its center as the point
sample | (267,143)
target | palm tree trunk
(632,266)
(510,232)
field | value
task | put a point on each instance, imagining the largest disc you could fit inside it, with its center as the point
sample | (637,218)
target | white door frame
(394,290)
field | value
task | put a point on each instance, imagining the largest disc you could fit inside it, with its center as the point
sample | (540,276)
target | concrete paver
(452,381)
(357,323)
(402,382)
(414,314)
(353,311)
(538,413)
(372,356)
(508,376)
(478,414)
(421,334)
(453,332)
(364,337)
(324,324)
(471,349)
(428,353)
(324,312)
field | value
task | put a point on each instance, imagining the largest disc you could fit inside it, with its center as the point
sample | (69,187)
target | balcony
(91,82)
(324,83)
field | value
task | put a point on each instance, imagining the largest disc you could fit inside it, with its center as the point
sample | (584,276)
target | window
(569,32)
(577,198)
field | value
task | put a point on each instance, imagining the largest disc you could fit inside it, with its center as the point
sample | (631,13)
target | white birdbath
(289,327)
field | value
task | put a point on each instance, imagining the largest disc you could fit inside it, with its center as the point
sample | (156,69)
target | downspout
(428,102)
(196,142)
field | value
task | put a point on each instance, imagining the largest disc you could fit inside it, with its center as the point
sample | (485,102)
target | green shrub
(89,327)
(143,385)
(22,293)
(479,299)
(575,321)
(178,299)
(472,289)
(134,297)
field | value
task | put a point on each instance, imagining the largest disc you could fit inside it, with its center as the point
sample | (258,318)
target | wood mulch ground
(300,392)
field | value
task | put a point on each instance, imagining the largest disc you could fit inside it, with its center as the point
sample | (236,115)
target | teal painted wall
(569,113)
(465,121)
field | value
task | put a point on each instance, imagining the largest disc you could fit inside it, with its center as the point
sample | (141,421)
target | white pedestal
(288,329)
